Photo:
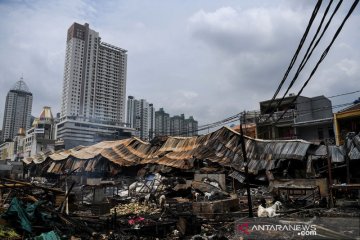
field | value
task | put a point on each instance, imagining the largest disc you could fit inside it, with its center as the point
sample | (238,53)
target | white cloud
(350,67)
(209,59)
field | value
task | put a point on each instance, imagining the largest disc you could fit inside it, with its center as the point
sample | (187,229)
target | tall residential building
(162,123)
(174,126)
(17,112)
(94,77)
(180,126)
(94,89)
(191,126)
(177,125)
(140,116)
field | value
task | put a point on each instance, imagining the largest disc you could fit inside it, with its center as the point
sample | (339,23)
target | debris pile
(134,208)
(182,188)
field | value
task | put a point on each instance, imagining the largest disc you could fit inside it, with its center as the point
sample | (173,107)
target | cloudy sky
(206,58)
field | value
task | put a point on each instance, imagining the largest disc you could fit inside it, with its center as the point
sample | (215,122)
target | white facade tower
(94,90)
(94,87)
(141,117)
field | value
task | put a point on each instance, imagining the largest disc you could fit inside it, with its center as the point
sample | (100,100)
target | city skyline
(209,59)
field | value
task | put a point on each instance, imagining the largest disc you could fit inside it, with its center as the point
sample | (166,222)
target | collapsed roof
(222,147)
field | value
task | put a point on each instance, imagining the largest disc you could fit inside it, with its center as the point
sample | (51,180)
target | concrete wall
(313,108)
(311,133)
(324,104)
(303,107)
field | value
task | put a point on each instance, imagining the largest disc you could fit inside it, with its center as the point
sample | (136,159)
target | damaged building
(126,182)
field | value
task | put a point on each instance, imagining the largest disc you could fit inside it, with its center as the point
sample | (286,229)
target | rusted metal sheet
(221,147)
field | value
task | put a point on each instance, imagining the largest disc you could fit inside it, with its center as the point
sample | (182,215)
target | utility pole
(246,167)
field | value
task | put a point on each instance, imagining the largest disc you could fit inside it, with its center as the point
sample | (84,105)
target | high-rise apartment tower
(141,117)
(94,85)
(94,90)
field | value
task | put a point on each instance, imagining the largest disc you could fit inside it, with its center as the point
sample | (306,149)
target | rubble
(134,208)
(180,188)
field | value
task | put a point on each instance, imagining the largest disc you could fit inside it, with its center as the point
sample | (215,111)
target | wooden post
(347,159)
(246,169)
(331,201)
(347,168)
(233,183)
(66,198)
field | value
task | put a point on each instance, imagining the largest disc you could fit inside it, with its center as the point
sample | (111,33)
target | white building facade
(141,117)
(94,85)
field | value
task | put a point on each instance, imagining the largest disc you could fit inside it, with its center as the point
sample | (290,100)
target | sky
(207,58)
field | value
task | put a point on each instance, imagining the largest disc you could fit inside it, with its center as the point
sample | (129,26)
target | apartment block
(177,125)
(162,123)
(141,117)
(94,87)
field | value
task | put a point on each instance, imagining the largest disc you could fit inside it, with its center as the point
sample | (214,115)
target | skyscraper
(94,77)
(177,125)
(162,123)
(94,89)
(141,116)
(191,126)
(17,111)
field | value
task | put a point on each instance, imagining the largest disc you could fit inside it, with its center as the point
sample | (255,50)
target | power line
(343,94)
(308,112)
(235,117)
(301,43)
(325,52)
(307,101)
(232,118)
(310,50)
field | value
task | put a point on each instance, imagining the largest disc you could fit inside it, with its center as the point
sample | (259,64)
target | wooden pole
(246,169)
(347,150)
(331,201)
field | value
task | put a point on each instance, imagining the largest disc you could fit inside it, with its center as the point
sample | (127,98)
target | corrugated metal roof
(337,153)
(353,145)
(238,176)
(222,146)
